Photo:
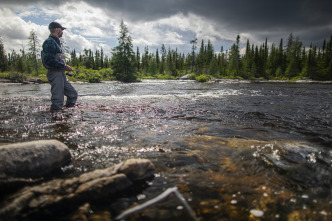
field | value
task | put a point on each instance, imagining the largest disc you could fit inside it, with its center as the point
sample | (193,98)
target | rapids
(234,150)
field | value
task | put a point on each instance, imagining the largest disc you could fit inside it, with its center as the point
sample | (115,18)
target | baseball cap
(54,24)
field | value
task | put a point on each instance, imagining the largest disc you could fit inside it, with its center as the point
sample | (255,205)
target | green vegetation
(123,60)
(202,78)
(291,61)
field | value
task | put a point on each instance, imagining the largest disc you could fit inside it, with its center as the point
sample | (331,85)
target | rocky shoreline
(28,81)
(26,194)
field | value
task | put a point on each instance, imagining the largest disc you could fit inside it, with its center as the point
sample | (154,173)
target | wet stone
(32,159)
(61,197)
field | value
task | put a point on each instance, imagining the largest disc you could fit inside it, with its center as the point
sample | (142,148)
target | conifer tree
(101,58)
(200,58)
(234,59)
(311,66)
(34,48)
(294,59)
(213,67)
(138,60)
(247,61)
(209,52)
(280,60)
(193,49)
(3,57)
(123,57)
(157,59)
(145,60)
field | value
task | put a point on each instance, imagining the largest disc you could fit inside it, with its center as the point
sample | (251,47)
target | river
(235,150)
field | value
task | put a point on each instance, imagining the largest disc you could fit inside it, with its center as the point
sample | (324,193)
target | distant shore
(303,81)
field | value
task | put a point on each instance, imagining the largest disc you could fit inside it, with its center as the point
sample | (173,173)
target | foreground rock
(32,159)
(61,196)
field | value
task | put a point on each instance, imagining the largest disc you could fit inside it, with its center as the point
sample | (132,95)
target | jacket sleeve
(50,50)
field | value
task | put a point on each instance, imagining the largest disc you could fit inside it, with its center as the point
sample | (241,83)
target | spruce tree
(138,59)
(123,57)
(163,60)
(3,57)
(193,49)
(209,52)
(201,58)
(157,59)
(34,48)
(234,59)
(294,57)
(247,61)
(213,67)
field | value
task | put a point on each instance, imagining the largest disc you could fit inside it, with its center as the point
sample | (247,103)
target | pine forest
(286,60)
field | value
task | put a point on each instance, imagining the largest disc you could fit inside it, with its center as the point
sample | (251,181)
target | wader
(60,87)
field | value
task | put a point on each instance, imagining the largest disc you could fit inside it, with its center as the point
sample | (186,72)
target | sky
(174,23)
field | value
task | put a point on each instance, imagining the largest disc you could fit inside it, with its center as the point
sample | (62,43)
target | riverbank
(303,81)
(26,81)
(222,81)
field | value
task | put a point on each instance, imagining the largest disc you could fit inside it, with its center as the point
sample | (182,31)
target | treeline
(285,61)
(289,60)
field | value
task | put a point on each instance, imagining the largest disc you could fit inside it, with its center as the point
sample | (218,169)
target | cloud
(272,19)
(84,24)
(95,24)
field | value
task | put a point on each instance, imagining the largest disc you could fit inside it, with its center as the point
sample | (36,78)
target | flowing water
(235,150)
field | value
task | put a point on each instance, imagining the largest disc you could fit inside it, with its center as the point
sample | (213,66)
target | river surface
(235,150)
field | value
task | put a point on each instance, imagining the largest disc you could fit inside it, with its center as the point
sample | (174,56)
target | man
(53,60)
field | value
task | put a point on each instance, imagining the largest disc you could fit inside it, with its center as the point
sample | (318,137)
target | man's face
(59,32)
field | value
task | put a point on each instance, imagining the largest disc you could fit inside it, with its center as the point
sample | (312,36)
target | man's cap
(54,24)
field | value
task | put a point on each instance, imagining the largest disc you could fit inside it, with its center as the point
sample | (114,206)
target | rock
(136,169)
(32,159)
(35,80)
(185,77)
(81,213)
(5,80)
(61,196)
(8,81)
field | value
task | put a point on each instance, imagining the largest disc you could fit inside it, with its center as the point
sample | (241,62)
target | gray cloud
(261,18)
(311,20)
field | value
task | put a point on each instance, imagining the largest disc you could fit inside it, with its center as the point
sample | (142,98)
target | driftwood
(157,199)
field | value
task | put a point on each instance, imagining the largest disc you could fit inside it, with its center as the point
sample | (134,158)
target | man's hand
(68,68)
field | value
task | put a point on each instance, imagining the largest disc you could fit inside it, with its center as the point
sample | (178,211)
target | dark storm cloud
(238,13)
(311,19)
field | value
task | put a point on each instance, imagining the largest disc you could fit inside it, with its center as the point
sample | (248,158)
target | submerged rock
(62,196)
(32,159)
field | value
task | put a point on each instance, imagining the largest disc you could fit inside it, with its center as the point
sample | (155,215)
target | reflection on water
(235,151)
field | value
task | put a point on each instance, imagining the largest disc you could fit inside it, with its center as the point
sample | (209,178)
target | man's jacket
(52,56)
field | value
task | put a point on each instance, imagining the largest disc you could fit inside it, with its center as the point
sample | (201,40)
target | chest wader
(60,86)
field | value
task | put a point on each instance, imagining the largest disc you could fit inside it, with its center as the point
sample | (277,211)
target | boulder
(185,77)
(35,80)
(62,196)
(32,159)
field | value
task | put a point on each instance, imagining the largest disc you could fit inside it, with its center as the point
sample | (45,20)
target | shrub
(202,78)
(93,78)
